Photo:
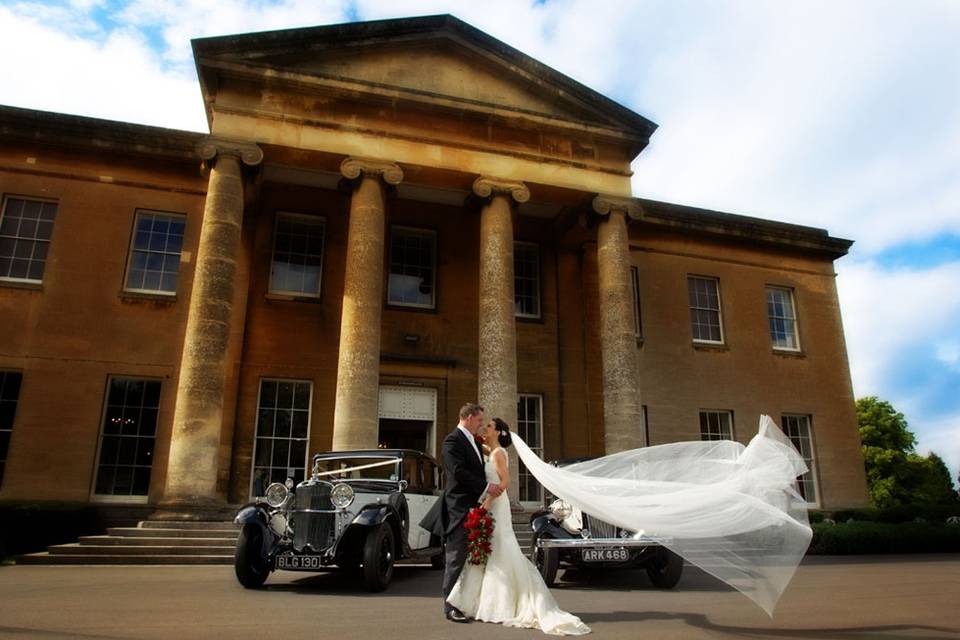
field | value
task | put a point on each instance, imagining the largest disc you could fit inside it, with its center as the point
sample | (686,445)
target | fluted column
(497,388)
(622,408)
(355,417)
(191,482)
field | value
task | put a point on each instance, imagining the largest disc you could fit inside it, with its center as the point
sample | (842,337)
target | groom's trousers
(455,557)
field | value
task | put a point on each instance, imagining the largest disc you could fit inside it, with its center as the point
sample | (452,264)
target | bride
(508,589)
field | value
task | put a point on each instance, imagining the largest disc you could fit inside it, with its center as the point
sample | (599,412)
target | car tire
(665,568)
(378,556)
(547,561)
(248,562)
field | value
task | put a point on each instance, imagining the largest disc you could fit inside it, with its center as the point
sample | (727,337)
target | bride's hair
(503,433)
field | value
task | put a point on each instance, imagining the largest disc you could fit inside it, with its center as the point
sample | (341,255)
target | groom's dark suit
(466,482)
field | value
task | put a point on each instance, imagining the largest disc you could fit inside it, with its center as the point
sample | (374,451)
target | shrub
(26,527)
(880,537)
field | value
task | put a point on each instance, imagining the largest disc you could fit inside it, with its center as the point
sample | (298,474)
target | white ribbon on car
(358,468)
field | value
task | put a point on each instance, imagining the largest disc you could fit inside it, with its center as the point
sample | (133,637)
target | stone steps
(174,542)
(149,543)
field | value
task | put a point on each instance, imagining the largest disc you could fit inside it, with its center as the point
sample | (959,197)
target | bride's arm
(499,458)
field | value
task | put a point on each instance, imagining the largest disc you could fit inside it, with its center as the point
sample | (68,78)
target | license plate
(605,555)
(300,563)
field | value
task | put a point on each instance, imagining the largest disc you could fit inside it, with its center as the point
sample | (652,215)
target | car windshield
(359,468)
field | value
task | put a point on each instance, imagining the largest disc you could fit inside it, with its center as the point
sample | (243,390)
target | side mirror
(403,485)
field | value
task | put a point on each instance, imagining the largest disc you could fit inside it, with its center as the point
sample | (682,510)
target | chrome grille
(311,529)
(600,529)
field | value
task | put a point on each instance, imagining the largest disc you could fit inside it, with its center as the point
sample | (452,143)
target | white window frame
(15,401)
(538,425)
(793,320)
(131,249)
(49,242)
(108,498)
(430,233)
(719,309)
(256,430)
(721,414)
(537,283)
(314,220)
(811,460)
(637,319)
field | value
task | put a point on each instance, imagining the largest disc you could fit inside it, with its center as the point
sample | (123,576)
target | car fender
(373,515)
(257,515)
(546,526)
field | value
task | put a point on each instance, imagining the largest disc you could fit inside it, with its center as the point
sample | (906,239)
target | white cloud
(943,438)
(119,78)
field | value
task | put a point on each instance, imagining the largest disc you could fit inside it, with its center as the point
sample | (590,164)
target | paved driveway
(843,598)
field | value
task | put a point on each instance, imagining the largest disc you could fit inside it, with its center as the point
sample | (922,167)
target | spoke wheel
(665,568)
(378,557)
(248,562)
(547,561)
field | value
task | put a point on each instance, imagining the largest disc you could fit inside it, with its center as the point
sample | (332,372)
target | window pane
(127,437)
(281,432)
(797,428)
(411,277)
(297,255)
(155,253)
(783,325)
(526,279)
(530,428)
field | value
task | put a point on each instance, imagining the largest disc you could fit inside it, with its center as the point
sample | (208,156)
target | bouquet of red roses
(479,526)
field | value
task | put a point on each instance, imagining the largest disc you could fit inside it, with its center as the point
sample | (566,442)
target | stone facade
(362,132)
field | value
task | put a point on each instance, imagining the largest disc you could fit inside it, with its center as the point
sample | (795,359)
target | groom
(466,485)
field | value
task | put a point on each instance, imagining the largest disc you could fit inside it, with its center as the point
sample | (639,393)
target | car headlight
(560,509)
(341,495)
(275,494)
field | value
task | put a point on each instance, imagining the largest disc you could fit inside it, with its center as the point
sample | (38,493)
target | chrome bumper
(597,543)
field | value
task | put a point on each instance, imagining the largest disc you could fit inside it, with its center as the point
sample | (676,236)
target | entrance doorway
(408,418)
(404,434)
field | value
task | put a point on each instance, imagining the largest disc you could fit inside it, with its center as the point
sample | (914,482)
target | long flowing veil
(730,509)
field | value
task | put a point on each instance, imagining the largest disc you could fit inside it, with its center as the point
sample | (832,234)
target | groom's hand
(494,490)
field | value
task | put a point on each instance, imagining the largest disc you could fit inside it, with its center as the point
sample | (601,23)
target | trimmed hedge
(880,537)
(26,527)
(932,513)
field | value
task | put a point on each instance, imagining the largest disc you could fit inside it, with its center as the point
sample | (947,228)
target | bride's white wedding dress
(508,589)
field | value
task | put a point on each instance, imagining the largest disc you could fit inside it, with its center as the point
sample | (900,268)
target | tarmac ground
(830,598)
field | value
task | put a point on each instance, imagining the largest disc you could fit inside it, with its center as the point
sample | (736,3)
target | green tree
(896,475)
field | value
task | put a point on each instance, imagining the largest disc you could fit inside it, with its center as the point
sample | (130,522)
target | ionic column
(622,413)
(355,417)
(191,482)
(497,388)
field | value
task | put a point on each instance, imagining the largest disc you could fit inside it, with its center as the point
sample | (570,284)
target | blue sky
(841,115)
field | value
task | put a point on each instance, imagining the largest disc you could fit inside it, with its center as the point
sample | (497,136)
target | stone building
(386,220)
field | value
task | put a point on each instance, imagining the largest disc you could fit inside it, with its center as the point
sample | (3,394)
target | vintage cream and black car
(565,537)
(358,512)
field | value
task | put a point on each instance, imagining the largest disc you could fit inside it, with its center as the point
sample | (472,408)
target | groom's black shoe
(456,616)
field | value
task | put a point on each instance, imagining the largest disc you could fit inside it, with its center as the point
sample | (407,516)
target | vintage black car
(357,512)
(565,537)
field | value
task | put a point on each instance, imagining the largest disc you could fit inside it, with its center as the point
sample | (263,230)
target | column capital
(486,186)
(212,146)
(354,167)
(629,207)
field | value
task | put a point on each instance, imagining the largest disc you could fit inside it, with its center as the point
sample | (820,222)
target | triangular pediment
(437,58)
(439,69)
